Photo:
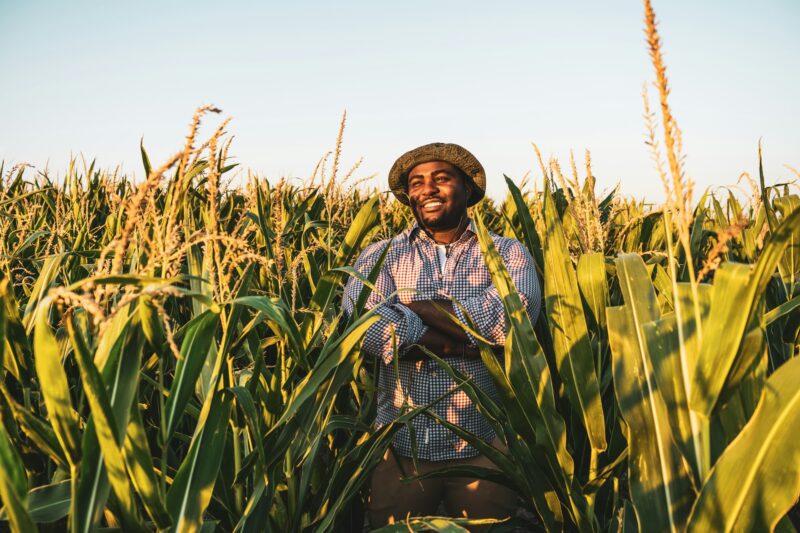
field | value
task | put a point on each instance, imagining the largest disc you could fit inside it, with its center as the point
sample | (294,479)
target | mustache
(429,198)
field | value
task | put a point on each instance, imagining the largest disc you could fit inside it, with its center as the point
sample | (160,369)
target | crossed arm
(443,336)
(427,322)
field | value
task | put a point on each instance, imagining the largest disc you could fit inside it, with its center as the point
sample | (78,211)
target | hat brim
(450,153)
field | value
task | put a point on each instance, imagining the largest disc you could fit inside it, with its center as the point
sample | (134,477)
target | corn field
(175,357)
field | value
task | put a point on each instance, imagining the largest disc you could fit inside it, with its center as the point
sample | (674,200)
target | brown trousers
(392,500)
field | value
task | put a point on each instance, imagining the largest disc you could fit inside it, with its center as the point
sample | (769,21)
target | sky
(93,77)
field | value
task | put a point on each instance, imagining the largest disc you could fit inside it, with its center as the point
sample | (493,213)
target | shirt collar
(415,231)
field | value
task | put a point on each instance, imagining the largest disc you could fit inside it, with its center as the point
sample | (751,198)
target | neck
(447,236)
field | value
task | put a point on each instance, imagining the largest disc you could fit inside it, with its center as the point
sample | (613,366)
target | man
(440,259)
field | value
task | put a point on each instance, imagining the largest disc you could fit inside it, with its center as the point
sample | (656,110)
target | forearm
(398,326)
(439,315)
(487,309)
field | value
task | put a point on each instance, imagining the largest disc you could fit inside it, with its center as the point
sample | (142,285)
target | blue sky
(93,77)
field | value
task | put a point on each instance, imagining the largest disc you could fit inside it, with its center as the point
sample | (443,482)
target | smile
(433,205)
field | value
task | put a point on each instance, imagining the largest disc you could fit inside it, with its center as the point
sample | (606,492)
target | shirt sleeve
(395,318)
(487,311)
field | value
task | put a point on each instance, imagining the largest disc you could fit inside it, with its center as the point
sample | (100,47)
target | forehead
(432,166)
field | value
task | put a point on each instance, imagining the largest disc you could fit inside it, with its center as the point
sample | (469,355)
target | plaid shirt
(412,263)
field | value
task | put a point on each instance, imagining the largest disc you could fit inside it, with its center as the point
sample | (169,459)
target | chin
(441,222)
(433,222)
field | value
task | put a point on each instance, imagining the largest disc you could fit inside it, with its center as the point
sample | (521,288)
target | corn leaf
(568,326)
(526,388)
(529,234)
(736,288)
(49,503)
(141,470)
(119,377)
(191,490)
(38,431)
(15,348)
(196,343)
(363,223)
(660,486)
(333,354)
(106,428)
(14,485)
(47,276)
(438,524)
(591,273)
(757,479)
(55,387)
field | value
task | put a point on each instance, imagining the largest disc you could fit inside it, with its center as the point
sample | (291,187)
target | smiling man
(439,259)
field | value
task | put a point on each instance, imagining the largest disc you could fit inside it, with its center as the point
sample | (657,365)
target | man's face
(438,194)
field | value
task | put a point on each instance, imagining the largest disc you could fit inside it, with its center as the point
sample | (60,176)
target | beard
(448,218)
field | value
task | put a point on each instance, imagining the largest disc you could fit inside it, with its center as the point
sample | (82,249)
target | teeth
(432,205)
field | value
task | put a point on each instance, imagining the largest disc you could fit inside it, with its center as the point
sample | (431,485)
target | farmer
(440,259)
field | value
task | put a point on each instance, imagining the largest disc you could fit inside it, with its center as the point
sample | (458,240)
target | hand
(438,314)
(444,346)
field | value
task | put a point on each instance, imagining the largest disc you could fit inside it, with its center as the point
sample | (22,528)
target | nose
(429,187)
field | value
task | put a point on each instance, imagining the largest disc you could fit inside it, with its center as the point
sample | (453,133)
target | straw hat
(448,152)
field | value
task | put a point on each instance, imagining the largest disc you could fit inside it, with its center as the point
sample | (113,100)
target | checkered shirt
(411,263)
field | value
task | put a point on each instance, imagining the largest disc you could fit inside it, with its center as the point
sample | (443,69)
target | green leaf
(119,375)
(770,212)
(789,265)
(141,470)
(757,479)
(660,486)
(529,234)
(14,485)
(107,429)
(526,388)
(592,282)
(145,160)
(191,490)
(333,354)
(358,308)
(278,317)
(661,338)
(348,474)
(772,253)
(41,434)
(780,311)
(15,348)
(737,290)
(47,276)
(568,326)
(196,343)
(722,334)
(437,524)
(115,330)
(364,221)
(54,385)
(151,322)
(49,503)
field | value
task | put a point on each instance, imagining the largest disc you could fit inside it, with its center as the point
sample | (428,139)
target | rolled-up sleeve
(395,319)
(487,311)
